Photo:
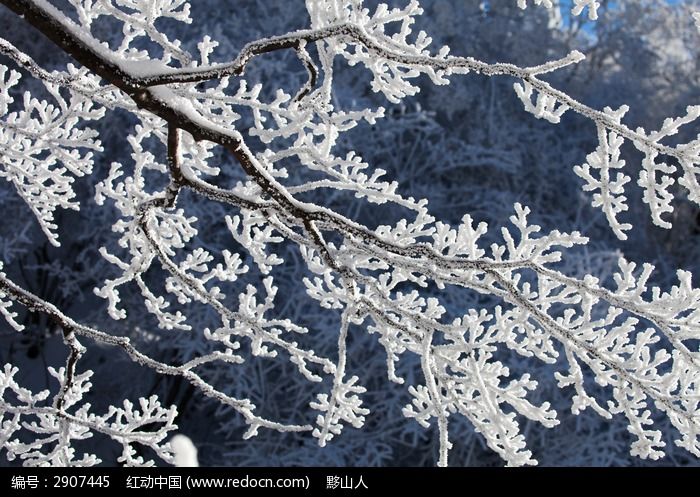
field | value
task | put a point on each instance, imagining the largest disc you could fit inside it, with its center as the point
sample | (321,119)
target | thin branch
(132,436)
(76,351)
(176,178)
(244,407)
(25,61)
(198,289)
(311,71)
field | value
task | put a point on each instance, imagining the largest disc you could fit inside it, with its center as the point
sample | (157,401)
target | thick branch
(164,103)
(81,46)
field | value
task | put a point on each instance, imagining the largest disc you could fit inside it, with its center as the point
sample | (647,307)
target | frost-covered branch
(12,291)
(638,342)
(362,30)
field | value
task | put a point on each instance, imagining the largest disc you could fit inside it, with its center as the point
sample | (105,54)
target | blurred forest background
(468,147)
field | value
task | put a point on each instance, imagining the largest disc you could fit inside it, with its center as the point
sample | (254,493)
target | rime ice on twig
(42,149)
(56,428)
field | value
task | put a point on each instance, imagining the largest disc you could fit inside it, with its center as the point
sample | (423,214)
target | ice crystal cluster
(637,341)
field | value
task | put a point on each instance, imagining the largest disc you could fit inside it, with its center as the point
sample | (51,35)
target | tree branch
(244,407)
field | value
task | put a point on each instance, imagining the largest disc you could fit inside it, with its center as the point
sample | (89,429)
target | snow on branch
(396,60)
